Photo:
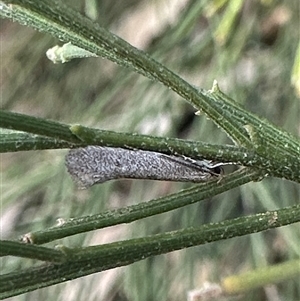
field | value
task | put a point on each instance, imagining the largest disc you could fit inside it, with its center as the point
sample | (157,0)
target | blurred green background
(249,47)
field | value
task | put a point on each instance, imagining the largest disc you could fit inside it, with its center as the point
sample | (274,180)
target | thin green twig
(85,261)
(144,209)
(279,149)
(15,248)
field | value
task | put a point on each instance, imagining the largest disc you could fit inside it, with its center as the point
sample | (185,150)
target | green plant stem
(38,126)
(279,149)
(193,149)
(13,141)
(142,210)
(85,261)
(260,277)
(15,248)
(279,137)
(82,32)
(271,150)
(78,136)
(73,27)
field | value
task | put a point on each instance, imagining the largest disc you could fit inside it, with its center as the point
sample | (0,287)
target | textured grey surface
(96,164)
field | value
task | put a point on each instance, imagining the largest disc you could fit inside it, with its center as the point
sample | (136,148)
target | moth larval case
(96,164)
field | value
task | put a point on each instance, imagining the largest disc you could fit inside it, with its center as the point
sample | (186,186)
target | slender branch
(278,149)
(85,261)
(282,139)
(47,17)
(271,150)
(142,210)
(15,248)
(13,141)
(71,26)
(260,277)
(78,136)
(38,126)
